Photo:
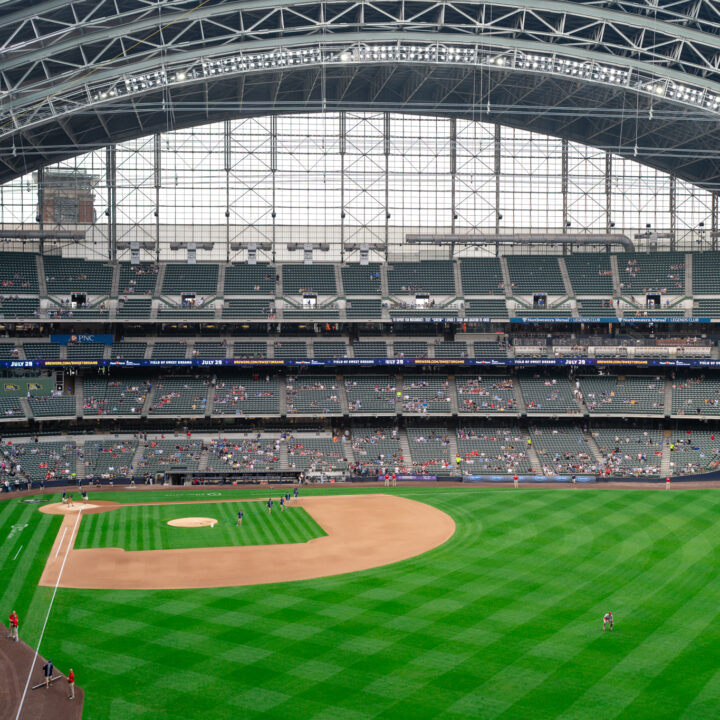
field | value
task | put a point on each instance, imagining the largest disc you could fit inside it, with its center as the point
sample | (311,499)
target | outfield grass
(502,622)
(145,527)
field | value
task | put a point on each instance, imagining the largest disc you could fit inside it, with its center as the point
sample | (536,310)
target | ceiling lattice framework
(638,78)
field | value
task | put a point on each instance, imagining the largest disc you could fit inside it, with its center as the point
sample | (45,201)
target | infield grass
(145,527)
(502,622)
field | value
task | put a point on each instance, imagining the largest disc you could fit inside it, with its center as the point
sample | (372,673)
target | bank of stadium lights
(394,53)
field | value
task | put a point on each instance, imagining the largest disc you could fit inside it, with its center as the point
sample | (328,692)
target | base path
(16,658)
(363,532)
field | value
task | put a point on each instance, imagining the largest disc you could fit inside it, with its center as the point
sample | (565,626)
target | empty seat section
(454,349)
(243,454)
(290,350)
(590,273)
(134,308)
(109,458)
(246,395)
(325,350)
(430,451)
(19,307)
(18,274)
(137,279)
(361,279)
(179,396)
(481,276)
(312,395)
(169,350)
(359,309)
(563,450)
(248,308)
(623,395)
(696,451)
(250,350)
(209,350)
(9,351)
(318,279)
(368,394)
(493,450)
(128,350)
(188,314)
(486,349)
(114,396)
(596,308)
(42,351)
(316,454)
(696,396)
(705,276)
(190,278)
(548,395)
(430,276)
(250,279)
(662,272)
(318,313)
(486,308)
(707,308)
(485,394)
(409,348)
(61,406)
(11,408)
(69,275)
(535,274)
(85,351)
(629,452)
(370,349)
(425,394)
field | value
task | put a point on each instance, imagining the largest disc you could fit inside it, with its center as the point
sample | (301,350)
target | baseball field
(502,620)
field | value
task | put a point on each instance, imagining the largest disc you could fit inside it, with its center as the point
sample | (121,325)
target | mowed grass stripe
(146,528)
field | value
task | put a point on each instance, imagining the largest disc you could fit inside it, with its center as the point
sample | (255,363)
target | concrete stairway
(79,395)
(384,287)
(615,276)
(40,267)
(458,279)
(140,452)
(25,405)
(338,280)
(80,469)
(405,446)
(566,278)
(506,277)
(668,397)
(452,391)
(533,456)
(519,399)
(160,280)
(689,275)
(282,397)
(283,457)
(221,281)
(115,285)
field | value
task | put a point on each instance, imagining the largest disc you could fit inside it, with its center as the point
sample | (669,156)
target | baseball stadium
(359,360)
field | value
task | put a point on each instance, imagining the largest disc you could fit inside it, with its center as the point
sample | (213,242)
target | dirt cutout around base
(363,532)
(192,522)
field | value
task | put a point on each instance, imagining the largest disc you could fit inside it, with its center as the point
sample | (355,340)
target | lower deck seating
(11,408)
(41,461)
(485,394)
(694,451)
(629,453)
(179,396)
(695,396)
(135,308)
(564,450)
(19,307)
(378,450)
(243,454)
(430,451)
(41,351)
(317,454)
(109,458)
(493,450)
(160,455)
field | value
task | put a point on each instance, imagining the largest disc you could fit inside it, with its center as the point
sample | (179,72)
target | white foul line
(47,617)
(57,552)
(17,553)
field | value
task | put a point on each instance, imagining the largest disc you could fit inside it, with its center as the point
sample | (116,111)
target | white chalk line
(47,617)
(17,553)
(57,552)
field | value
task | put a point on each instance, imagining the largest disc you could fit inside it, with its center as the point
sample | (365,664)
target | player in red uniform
(608,621)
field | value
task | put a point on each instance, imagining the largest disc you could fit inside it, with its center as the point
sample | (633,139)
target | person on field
(608,621)
(47,672)
(574,481)
(14,624)
(269,506)
(667,483)
(71,684)
(239,518)
(296,492)
(516,481)
(84,497)
(282,503)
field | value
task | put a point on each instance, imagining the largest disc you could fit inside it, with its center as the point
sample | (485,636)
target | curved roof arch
(640,81)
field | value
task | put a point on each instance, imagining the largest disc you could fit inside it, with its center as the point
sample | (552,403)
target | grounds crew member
(14,623)
(48,671)
(71,684)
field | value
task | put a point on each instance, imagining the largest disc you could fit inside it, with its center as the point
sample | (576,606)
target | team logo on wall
(34,386)
(73,338)
(10,387)
(34,500)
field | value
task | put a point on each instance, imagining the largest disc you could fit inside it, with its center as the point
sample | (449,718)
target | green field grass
(501,622)
(145,527)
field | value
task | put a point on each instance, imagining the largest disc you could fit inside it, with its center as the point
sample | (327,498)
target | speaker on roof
(134,253)
(192,254)
(364,254)
(252,254)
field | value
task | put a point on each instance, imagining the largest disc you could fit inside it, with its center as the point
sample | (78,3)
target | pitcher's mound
(192,522)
